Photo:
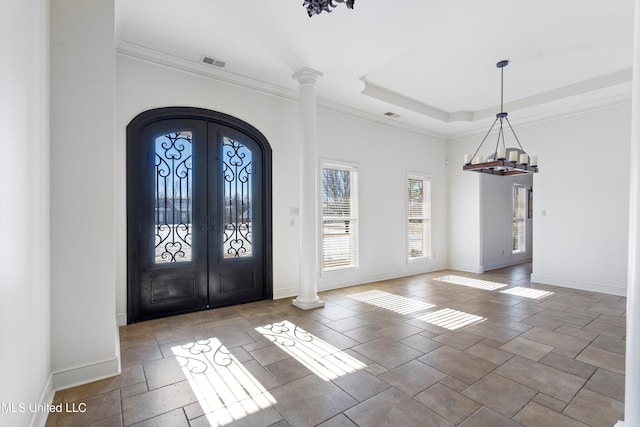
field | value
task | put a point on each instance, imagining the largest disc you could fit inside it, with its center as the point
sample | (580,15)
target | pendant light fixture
(316,7)
(504,160)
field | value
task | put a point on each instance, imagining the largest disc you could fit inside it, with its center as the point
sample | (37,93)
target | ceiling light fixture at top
(316,7)
(503,161)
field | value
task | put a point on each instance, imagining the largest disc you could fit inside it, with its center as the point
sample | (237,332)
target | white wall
(142,85)
(583,186)
(384,156)
(582,240)
(83,326)
(464,228)
(496,200)
(24,255)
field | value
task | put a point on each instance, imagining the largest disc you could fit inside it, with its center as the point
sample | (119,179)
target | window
(418,217)
(519,218)
(339,217)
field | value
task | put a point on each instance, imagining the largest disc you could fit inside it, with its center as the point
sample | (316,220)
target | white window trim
(524,220)
(346,166)
(429,251)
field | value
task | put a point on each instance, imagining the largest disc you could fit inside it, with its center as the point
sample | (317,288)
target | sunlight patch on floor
(225,389)
(471,282)
(393,302)
(320,357)
(527,292)
(451,319)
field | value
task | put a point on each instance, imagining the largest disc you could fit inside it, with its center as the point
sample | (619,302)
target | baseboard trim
(580,285)
(84,374)
(502,264)
(39,418)
(467,268)
(344,281)
(338,280)
(285,293)
(121,319)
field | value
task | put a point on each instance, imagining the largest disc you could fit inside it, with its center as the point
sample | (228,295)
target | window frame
(354,219)
(426,216)
(517,187)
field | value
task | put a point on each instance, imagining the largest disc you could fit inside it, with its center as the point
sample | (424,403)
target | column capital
(307,76)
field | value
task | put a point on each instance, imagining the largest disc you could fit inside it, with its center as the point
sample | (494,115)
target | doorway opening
(198,213)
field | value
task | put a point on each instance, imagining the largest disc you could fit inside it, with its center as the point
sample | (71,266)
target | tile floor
(438,349)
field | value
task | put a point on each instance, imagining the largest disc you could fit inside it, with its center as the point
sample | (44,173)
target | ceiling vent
(213,61)
(392,115)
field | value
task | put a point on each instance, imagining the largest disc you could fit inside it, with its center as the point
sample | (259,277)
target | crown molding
(590,85)
(140,52)
(549,114)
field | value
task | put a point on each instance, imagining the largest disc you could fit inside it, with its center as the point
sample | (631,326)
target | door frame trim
(148,117)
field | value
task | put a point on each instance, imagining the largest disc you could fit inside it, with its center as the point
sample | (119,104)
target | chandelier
(504,160)
(316,7)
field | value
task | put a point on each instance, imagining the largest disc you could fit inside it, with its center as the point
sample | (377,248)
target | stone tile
(175,418)
(160,373)
(112,421)
(447,403)
(500,394)
(363,334)
(398,331)
(261,375)
(595,409)
(130,375)
(361,385)
(555,339)
(550,402)
(565,316)
(540,377)
(619,321)
(394,408)
(388,353)
(375,369)
(241,414)
(543,322)
(575,332)
(135,354)
(615,345)
(459,340)
(535,415)
(526,348)
(288,370)
(133,389)
(605,329)
(569,365)
(485,417)
(454,384)
(336,339)
(461,365)
(156,402)
(347,324)
(493,331)
(310,401)
(412,377)
(337,421)
(269,355)
(607,383)
(336,312)
(421,343)
(98,408)
(603,359)
(491,354)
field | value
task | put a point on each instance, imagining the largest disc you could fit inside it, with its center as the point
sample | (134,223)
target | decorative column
(632,354)
(308,245)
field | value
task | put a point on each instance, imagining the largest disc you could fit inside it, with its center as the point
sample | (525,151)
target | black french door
(198,212)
